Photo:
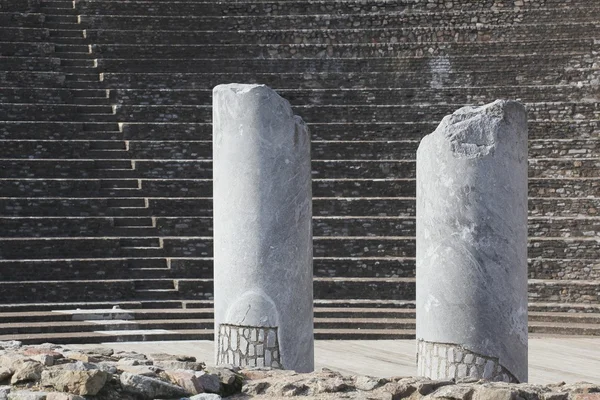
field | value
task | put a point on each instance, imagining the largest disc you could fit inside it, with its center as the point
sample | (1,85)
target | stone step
(313,66)
(345,18)
(320,150)
(154,284)
(324,288)
(67,33)
(105,314)
(336,226)
(467,32)
(113,165)
(127,203)
(120,184)
(82,77)
(58,4)
(202,169)
(135,243)
(77,63)
(580,46)
(95,305)
(31,20)
(81,70)
(73,48)
(104,336)
(427,80)
(115,268)
(202,207)
(341,113)
(62,18)
(133,222)
(570,328)
(26,49)
(182,188)
(14,64)
(416,94)
(108,145)
(324,267)
(59,327)
(20,34)
(74,56)
(70,130)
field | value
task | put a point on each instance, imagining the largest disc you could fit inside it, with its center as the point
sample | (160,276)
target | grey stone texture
(262,225)
(472,236)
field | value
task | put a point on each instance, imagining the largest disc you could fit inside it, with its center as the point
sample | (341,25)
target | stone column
(262,230)
(472,245)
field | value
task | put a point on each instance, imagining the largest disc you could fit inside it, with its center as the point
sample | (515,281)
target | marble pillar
(472,245)
(262,230)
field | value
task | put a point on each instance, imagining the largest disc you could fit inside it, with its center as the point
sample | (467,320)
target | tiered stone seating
(105,169)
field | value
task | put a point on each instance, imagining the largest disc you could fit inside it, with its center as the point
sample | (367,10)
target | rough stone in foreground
(77,382)
(262,230)
(150,387)
(472,245)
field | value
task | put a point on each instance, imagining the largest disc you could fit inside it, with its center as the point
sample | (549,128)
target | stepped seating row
(456,95)
(202,150)
(581,292)
(331,322)
(182,188)
(69,130)
(202,207)
(275,8)
(314,113)
(469,33)
(444,64)
(202,169)
(202,268)
(108,51)
(332,5)
(429,78)
(181,19)
(26,49)
(347,226)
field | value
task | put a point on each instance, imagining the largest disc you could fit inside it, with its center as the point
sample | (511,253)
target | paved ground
(550,359)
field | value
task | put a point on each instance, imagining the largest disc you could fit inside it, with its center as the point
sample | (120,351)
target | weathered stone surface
(63,396)
(206,396)
(10,345)
(187,380)
(150,388)
(28,371)
(173,364)
(211,383)
(455,392)
(472,244)
(495,393)
(88,358)
(170,357)
(4,391)
(5,373)
(368,383)
(26,395)
(77,382)
(262,230)
(138,370)
(135,361)
(99,351)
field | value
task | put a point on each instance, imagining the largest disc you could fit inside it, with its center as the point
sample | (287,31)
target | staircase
(105,163)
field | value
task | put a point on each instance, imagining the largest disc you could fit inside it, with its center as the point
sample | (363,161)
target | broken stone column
(472,245)
(262,230)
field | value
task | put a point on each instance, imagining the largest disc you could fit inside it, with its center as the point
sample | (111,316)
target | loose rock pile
(52,372)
